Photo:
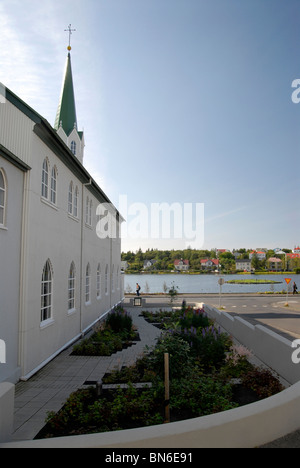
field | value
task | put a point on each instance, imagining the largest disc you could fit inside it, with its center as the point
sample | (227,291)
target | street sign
(287,280)
(221,281)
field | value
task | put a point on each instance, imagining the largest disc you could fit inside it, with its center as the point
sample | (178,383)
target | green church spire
(66,112)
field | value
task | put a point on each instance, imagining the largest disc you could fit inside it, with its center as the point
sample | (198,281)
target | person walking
(295,289)
(138,288)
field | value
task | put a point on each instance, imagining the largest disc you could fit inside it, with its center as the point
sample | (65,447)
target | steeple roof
(66,112)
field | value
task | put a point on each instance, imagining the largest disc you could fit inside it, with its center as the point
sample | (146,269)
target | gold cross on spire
(70,31)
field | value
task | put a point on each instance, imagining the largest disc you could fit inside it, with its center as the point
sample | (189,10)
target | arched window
(99,281)
(53,185)
(73,147)
(46,292)
(45,175)
(76,197)
(90,213)
(87,210)
(3,190)
(71,287)
(88,284)
(70,198)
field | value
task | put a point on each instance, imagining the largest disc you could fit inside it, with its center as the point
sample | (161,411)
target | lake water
(206,283)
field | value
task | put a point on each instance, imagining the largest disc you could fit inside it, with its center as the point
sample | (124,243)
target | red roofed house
(209,264)
(260,254)
(181,265)
(292,261)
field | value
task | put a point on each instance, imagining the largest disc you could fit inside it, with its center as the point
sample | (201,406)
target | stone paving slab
(51,386)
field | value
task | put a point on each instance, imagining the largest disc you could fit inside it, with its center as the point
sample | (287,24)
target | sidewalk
(49,388)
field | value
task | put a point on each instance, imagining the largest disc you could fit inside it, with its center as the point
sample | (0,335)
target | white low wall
(7,395)
(245,427)
(271,348)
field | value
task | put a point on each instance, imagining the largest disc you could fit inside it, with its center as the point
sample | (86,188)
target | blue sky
(183,101)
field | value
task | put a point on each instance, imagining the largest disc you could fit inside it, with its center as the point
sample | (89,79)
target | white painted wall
(55,235)
(10,242)
(38,231)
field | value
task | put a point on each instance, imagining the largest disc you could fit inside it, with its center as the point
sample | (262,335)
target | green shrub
(201,395)
(116,332)
(119,320)
(208,345)
(179,354)
(196,318)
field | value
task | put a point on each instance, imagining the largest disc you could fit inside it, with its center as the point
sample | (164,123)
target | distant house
(260,254)
(149,263)
(181,265)
(292,261)
(296,250)
(124,266)
(209,264)
(243,264)
(293,255)
(220,251)
(274,264)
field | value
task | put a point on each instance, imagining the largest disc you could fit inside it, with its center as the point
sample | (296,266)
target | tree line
(163,260)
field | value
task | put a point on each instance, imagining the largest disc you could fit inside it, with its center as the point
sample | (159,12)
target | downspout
(111,275)
(23,276)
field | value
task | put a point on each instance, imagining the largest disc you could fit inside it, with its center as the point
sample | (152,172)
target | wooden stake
(167,389)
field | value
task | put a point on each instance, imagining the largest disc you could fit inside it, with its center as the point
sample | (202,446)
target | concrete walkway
(50,388)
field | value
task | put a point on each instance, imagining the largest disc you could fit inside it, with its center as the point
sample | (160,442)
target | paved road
(265,310)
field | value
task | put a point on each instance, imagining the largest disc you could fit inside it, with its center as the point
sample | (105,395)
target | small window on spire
(73,147)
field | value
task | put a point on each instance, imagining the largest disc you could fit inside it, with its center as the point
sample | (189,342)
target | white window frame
(99,281)
(88,284)
(47,293)
(45,179)
(70,199)
(3,191)
(53,187)
(90,213)
(75,204)
(74,147)
(87,204)
(71,288)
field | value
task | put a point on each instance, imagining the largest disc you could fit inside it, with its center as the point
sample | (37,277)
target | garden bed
(113,335)
(208,374)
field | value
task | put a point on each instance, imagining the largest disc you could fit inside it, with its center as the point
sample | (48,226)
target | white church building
(57,276)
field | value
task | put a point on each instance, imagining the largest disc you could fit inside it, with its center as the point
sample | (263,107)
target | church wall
(55,235)
(107,253)
(10,245)
(38,232)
